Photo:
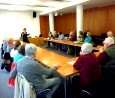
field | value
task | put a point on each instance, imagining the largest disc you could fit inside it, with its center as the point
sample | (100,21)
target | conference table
(70,43)
(49,59)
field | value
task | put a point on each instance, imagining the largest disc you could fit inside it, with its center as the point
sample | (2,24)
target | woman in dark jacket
(24,36)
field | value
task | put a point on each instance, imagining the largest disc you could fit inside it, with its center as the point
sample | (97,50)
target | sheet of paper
(71,62)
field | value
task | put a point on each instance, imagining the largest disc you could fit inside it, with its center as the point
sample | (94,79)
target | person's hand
(101,49)
(81,53)
(57,65)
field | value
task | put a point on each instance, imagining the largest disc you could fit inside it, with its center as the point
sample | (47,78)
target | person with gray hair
(34,72)
(107,57)
(107,62)
(110,34)
(89,68)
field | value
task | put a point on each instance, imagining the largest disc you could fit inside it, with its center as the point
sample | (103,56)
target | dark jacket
(107,61)
(24,37)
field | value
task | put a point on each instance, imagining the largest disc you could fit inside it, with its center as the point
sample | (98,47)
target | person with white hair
(107,55)
(107,62)
(88,66)
(34,72)
(110,34)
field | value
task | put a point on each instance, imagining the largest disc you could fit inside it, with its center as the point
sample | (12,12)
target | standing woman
(24,35)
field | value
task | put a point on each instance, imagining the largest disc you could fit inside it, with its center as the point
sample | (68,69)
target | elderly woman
(88,67)
(33,71)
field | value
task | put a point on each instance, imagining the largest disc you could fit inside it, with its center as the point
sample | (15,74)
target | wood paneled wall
(44,25)
(65,23)
(97,20)
(100,20)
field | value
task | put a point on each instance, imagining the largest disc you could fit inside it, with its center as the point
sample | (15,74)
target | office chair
(26,89)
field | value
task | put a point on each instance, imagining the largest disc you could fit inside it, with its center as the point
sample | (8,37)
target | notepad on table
(71,62)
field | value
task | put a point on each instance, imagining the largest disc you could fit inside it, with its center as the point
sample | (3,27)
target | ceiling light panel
(21,2)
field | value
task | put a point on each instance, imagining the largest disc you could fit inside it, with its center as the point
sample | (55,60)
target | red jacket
(89,69)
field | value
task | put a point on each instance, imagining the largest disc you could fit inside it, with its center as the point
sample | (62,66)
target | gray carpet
(5,90)
(61,52)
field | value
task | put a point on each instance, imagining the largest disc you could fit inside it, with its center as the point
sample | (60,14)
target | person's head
(59,33)
(10,40)
(80,33)
(55,32)
(87,48)
(17,44)
(30,50)
(50,33)
(109,34)
(71,33)
(108,41)
(24,29)
(88,34)
(21,49)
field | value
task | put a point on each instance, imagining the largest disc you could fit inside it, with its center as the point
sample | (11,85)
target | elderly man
(34,71)
(107,56)
(107,62)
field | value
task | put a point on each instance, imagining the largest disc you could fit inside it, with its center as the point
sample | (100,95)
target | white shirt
(13,52)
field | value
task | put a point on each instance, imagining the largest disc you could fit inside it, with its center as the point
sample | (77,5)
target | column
(51,22)
(79,18)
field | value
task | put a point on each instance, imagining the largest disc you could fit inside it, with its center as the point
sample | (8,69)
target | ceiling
(43,7)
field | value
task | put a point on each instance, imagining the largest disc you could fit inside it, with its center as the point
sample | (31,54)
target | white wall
(13,22)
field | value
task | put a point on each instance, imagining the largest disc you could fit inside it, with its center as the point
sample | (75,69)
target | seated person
(34,72)
(7,61)
(50,35)
(80,37)
(110,34)
(85,33)
(71,38)
(55,35)
(88,39)
(3,47)
(107,62)
(15,49)
(89,69)
(10,45)
(60,36)
(19,55)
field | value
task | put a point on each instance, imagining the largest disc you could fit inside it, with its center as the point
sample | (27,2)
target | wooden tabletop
(49,58)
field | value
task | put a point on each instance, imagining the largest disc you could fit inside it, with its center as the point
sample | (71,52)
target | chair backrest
(23,88)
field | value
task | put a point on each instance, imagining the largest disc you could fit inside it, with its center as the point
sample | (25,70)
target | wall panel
(98,20)
(44,25)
